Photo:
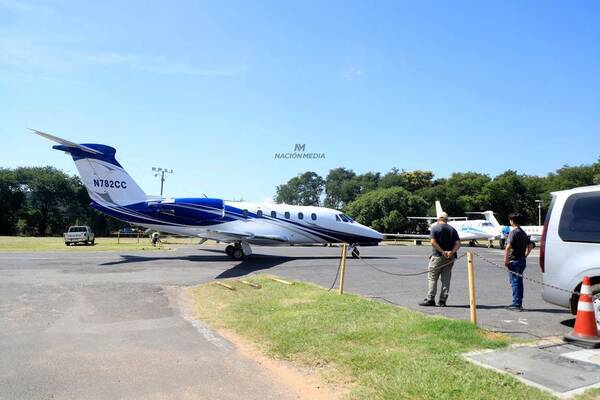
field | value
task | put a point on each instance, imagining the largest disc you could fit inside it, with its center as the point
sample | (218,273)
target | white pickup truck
(79,234)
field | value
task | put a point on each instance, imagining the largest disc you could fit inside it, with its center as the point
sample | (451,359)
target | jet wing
(232,236)
(435,218)
(406,236)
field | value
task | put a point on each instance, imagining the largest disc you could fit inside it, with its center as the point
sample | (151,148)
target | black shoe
(427,303)
(442,303)
(513,307)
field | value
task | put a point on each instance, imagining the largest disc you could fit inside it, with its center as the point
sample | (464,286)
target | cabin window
(273,214)
(300,215)
(259,213)
(313,216)
(245,213)
(287,215)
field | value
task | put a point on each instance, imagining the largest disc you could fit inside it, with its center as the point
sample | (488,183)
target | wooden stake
(471,274)
(254,285)
(281,281)
(343,269)
(226,286)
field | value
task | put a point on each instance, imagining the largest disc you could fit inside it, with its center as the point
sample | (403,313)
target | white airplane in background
(533,231)
(113,192)
(468,230)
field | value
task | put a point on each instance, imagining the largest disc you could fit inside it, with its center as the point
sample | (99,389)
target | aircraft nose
(372,234)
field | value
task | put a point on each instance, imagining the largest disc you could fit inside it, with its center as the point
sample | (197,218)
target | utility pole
(160,172)
(539,204)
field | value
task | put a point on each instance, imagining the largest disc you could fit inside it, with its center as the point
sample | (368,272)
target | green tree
(510,192)
(387,209)
(303,190)
(340,187)
(49,195)
(343,186)
(12,200)
(570,177)
(460,193)
(409,180)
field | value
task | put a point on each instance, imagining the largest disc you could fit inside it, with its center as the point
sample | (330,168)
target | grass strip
(385,352)
(27,244)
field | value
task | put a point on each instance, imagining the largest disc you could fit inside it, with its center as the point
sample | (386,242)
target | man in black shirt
(515,259)
(445,243)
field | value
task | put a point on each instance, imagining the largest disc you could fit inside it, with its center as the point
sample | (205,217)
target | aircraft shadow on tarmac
(256,262)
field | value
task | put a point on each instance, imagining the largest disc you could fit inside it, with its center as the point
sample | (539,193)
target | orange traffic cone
(585,333)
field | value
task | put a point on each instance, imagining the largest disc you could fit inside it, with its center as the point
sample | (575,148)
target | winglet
(66,142)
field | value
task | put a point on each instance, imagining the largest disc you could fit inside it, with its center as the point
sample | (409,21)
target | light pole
(161,172)
(539,204)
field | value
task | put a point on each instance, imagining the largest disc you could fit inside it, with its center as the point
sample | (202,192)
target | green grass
(386,352)
(19,243)
(592,394)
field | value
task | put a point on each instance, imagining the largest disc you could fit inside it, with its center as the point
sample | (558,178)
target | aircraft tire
(355,253)
(229,250)
(237,254)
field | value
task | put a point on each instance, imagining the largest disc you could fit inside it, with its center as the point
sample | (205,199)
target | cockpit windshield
(344,218)
(487,224)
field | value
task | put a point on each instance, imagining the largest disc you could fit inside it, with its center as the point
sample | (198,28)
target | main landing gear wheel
(355,253)
(472,243)
(237,254)
(235,251)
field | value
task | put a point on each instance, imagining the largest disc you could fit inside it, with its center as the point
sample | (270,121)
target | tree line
(384,201)
(42,201)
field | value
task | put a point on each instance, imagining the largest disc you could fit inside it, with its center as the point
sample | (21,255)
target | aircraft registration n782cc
(241,224)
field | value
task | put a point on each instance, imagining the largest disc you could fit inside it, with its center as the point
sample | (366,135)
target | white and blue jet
(241,224)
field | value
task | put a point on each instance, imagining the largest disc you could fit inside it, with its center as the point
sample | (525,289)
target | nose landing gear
(354,251)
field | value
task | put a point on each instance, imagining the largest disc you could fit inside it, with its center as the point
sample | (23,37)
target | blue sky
(214,89)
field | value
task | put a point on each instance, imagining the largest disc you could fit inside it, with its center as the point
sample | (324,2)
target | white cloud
(352,72)
(153,64)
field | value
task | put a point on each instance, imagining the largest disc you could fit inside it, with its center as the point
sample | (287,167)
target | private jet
(240,224)
(468,230)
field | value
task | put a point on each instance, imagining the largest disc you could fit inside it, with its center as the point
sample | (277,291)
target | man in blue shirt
(517,250)
(504,236)
(445,243)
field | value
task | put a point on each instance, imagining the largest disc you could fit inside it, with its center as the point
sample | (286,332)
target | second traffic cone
(585,332)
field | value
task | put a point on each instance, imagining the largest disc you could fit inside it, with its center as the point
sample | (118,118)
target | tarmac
(115,325)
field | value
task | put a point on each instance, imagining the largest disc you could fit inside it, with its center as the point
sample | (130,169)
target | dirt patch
(305,382)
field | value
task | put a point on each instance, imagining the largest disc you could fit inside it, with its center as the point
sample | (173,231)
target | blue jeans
(516,282)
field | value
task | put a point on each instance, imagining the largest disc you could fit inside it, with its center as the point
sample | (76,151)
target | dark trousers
(516,282)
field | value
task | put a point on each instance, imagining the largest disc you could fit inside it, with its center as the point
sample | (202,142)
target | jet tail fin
(438,208)
(106,181)
(489,216)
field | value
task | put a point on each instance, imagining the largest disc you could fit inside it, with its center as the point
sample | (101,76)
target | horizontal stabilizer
(66,143)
